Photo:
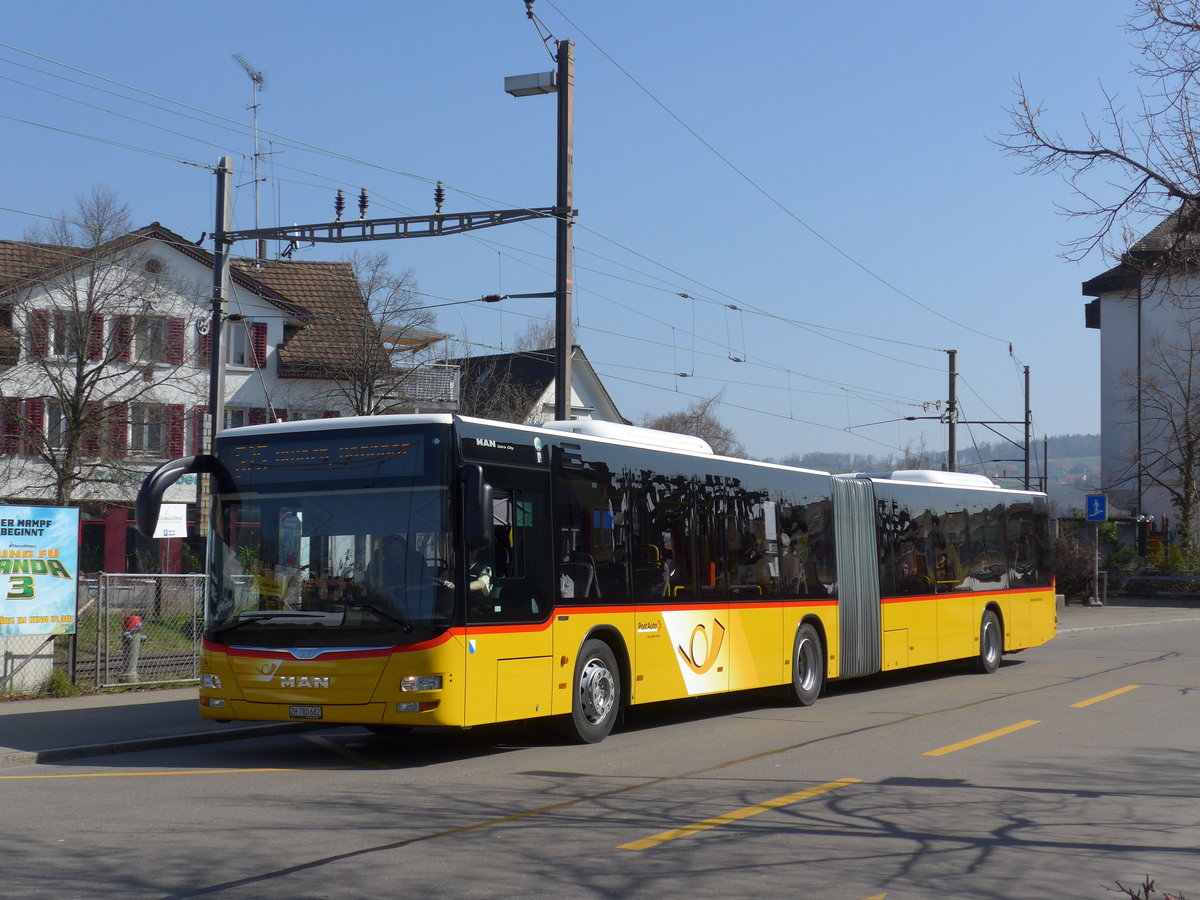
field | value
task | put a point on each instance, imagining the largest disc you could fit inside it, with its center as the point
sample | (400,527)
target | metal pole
(564,247)
(952,415)
(220,282)
(1028,423)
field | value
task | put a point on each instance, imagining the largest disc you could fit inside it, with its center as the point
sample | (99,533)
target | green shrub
(59,685)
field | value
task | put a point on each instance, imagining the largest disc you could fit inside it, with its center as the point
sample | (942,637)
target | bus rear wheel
(808,667)
(991,643)
(596,695)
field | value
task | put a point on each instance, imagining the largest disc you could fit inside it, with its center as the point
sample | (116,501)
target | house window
(57,429)
(150,339)
(65,337)
(147,428)
(246,344)
(236,417)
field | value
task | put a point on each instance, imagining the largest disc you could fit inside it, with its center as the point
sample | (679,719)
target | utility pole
(952,414)
(1028,425)
(564,254)
(220,287)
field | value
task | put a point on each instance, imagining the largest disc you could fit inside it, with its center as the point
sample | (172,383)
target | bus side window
(518,556)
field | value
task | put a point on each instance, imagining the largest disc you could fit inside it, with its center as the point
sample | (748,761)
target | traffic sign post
(1097,511)
(1097,508)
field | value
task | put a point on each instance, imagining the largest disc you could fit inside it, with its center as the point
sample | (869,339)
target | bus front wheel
(596,695)
(991,643)
(808,666)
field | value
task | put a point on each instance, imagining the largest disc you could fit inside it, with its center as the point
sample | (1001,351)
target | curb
(59,754)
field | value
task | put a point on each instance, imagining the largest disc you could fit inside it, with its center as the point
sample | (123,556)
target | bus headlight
(210,681)
(421,683)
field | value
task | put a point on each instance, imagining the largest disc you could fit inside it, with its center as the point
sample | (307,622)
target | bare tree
(538,334)
(1127,167)
(490,387)
(1169,398)
(699,421)
(378,358)
(97,350)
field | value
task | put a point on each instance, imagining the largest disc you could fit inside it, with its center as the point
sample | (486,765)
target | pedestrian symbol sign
(1097,508)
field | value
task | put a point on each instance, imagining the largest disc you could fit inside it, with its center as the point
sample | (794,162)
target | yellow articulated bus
(437,570)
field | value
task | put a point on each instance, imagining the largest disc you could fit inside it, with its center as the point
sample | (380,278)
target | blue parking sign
(1097,508)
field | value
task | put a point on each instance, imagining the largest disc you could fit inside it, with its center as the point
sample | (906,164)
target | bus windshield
(338,541)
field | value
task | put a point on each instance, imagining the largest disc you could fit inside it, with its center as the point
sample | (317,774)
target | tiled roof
(531,370)
(339,331)
(21,263)
(1174,240)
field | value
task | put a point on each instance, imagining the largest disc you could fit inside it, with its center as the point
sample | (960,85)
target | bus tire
(808,666)
(596,694)
(991,643)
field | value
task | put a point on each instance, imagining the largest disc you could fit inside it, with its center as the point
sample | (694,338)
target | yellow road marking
(344,751)
(971,742)
(737,814)
(1125,690)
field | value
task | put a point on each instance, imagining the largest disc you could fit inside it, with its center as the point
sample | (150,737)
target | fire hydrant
(132,635)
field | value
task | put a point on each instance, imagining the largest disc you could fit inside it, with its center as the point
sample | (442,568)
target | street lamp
(560,82)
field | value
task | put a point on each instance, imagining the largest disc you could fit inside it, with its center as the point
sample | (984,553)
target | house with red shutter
(105,356)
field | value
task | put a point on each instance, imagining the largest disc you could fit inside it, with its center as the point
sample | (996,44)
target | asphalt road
(1073,768)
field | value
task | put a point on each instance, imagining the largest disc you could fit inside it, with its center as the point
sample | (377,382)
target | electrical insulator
(439,197)
(339,205)
(362,203)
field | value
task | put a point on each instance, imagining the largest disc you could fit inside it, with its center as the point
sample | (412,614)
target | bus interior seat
(581,569)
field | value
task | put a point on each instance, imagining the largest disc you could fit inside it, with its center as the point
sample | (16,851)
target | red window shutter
(35,415)
(199,420)
(258,343)
(175,331)
(123,337)
(174,430)
(204,349)
(281,415)
(118,429)
(10,443)
(331,414)
(93,414)
(258,416)
(39,332)
(95,341)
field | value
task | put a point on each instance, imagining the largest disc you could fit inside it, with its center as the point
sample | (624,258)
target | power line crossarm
(432,225)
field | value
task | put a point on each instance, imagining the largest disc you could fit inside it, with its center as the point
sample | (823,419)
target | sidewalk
(53,729)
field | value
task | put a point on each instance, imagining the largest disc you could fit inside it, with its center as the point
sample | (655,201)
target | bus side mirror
(477,508)
(149,499)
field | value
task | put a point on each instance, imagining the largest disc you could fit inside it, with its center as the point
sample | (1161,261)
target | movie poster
(39,556)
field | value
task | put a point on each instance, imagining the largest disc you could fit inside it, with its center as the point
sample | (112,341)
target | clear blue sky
(878,209)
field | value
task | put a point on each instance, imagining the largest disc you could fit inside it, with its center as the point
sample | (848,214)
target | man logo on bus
(702,656)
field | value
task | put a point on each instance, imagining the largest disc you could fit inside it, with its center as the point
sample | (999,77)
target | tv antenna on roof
(257,82)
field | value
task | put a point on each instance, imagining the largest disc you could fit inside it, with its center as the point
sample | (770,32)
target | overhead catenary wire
(694,297)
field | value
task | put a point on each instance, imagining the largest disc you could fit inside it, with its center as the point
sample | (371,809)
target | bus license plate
(305,712)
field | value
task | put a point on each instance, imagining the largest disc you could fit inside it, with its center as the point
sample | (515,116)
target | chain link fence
(136,629)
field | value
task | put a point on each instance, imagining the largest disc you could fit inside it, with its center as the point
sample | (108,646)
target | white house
(1148,313)
(105,359)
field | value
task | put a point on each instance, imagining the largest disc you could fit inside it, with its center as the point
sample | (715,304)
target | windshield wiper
(247,619)
(379,613)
